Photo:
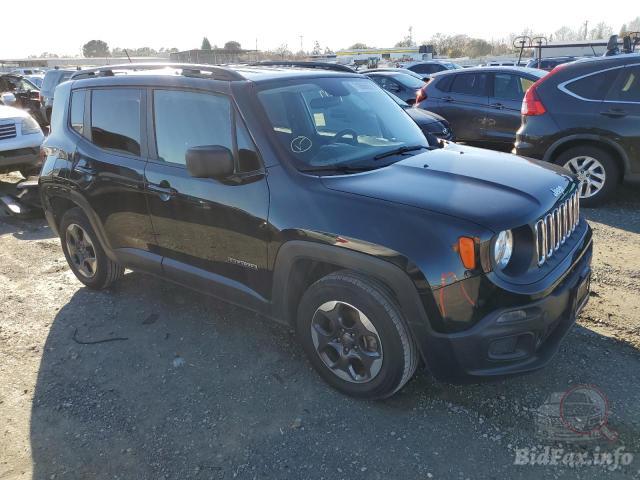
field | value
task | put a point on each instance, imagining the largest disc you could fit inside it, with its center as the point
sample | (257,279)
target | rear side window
(115,119)
(188,119)
(444,84)
(77,111)
(427,68)
(593,87)
(510,87)
(627,88)
(470,84)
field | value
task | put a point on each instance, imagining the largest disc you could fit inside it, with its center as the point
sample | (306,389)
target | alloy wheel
(81,250)
(590,173)
(347,342)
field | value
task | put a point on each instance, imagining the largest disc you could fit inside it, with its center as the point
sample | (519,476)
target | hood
(424,117)
(492,189)
(11,112)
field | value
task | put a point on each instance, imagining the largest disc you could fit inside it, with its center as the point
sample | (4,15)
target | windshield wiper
(339,169)
(400,151)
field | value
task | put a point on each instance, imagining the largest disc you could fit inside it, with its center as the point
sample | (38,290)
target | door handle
(447,99)
(163,190)
(614,112)
(497,106)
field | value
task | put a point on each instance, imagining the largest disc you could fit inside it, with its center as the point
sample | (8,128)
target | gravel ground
(196,388)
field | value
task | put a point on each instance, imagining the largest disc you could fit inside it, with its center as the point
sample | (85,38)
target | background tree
(232,45)
(601,30)
(206,44)
(359,46)
(317,50)
(95,48)
(565,34)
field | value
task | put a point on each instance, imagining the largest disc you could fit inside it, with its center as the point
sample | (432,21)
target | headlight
(29,126)
(502,248)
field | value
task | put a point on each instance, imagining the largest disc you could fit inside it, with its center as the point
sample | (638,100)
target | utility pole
(586,28)
(301,38)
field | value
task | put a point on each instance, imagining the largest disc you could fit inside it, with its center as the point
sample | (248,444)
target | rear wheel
(84,254)
(355,336)
(596,170)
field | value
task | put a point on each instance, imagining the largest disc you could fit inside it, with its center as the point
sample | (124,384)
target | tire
(359,317)
(97,274)
(591,164)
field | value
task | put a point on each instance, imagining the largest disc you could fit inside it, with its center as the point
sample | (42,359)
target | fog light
(512,316)
(503,347)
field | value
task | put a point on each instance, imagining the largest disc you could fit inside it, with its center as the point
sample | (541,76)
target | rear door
(466,105)
(108,165)
(505,103)
(208,230)
(622,111)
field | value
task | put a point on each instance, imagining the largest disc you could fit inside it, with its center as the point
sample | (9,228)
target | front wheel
(596,170)
(355,336)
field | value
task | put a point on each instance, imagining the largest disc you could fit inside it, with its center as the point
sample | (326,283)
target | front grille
(7,130)
(553,230)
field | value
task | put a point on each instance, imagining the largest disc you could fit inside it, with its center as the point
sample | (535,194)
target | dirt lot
(195,388)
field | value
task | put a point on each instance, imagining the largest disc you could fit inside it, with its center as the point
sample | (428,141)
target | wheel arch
(564,144)
(299,263)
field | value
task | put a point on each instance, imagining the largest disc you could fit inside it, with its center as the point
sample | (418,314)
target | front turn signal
(467,252)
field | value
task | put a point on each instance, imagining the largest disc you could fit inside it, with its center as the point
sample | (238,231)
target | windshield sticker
(300,144)
(318,118)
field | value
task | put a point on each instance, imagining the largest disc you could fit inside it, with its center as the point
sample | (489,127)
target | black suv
(313,198)
(585,116)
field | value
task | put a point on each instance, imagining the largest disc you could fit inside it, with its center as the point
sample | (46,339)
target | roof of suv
(496,68)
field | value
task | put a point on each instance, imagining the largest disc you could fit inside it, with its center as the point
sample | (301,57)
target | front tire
(84,254)
(596,170)
(355,336)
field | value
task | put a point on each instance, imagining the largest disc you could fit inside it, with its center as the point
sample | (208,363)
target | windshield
(408,81)
(331,122)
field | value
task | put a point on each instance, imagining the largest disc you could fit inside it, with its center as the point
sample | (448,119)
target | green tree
(359,46)
(95,48)
(232,45)
(206,45)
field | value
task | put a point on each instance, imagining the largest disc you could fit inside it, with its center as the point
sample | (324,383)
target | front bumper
(493,347)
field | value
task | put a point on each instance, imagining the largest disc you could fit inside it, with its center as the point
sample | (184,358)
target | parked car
(311,197)
(20,139)
(35,79)
(482,104)
(585,116)
(25,94)
(403,86)
(27,71)
(51,80)
(429,67)
(396,70)
(548,63)
(429,122)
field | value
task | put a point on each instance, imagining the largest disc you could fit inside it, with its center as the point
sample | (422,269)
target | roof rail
(336,67)
(187,69)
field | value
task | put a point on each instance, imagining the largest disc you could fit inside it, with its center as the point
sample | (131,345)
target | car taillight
(421,95)
(531,103)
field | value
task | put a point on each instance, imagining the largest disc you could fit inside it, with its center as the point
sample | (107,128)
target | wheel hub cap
(81,250)
(590,173)
(347,342)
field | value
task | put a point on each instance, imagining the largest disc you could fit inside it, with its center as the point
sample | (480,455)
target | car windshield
(408,81)
(334,122)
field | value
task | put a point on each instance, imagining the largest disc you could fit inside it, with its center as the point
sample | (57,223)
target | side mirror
(209,161)
(9,99)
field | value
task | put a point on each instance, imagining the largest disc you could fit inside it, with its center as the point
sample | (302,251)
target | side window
(593,87)
(77,111)
(444,83)
(470,84)
(115,119)
(510,87)
(627,88)
(188,119)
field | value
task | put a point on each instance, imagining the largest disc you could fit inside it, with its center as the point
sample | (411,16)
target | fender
(595,138)
(388,273)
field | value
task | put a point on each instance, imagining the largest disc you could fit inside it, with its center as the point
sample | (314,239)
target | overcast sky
(63,26)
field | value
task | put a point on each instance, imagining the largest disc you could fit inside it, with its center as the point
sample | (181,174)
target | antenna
(127,54)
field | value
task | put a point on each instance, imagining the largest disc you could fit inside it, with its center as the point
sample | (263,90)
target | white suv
(20,139)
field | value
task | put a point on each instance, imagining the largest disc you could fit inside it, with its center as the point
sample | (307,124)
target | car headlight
(29,126)
(503,248)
